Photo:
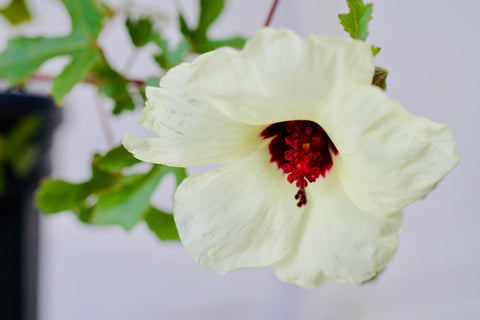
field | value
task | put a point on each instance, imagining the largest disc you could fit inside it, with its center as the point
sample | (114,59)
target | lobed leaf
(200,42)
(141,31)
(82,62)
(162,224)
(16,12)
(113,85)
(116,160)
(168,58)
(356,21)
(23,56)
(111,198)
(126,203)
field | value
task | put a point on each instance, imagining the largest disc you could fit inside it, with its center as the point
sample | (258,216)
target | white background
(431,49)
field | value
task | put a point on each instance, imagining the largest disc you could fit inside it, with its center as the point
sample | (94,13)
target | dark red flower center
(301,149)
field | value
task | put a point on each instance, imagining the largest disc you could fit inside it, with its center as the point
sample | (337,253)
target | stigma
(303,150)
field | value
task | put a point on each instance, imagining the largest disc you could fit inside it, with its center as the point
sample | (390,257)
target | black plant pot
(18,217)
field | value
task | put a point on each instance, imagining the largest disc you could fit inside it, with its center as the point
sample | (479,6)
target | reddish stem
(270,14)
(91,80)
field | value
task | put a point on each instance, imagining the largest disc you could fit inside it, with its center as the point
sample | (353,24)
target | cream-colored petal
(191,132)
(278,75)
(239,216)
(387,157)
(337,241)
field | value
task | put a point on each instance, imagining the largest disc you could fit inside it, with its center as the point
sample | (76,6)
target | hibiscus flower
(317,163)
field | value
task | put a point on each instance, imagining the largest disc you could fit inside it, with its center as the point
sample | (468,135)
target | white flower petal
(279,76)
(337,241)
(387,157)
(191,132)
(241,215)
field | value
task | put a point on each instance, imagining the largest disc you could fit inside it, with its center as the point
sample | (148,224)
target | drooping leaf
(23,56)
(116,160)
(356,21)
(162,224)
(16,12)
(380,77)
(141,31)
(127,202)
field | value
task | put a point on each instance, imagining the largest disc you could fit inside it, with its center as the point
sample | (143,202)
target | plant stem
(270,14)
(90,79)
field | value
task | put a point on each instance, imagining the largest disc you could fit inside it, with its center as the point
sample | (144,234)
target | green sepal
(375,50)
(380,78)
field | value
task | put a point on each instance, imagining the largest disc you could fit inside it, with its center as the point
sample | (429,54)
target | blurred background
(431,49)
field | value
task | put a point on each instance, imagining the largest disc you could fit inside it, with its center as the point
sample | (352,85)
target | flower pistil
(301,149)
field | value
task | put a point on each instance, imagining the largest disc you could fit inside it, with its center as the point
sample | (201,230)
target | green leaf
(116,160)
(127,202)
(162,224)
(380,77)
(141,31)
(200,42)
(151,82)
(111,198)
(23,56)
(180,174)
(375,50)
(209,45)
(16,12)
(168,58)
(210,10)
(113,85)
(356,21)
(20,151)
(57,195)
(75,72)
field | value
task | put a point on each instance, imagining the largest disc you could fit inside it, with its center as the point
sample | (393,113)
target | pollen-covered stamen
(302,150)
